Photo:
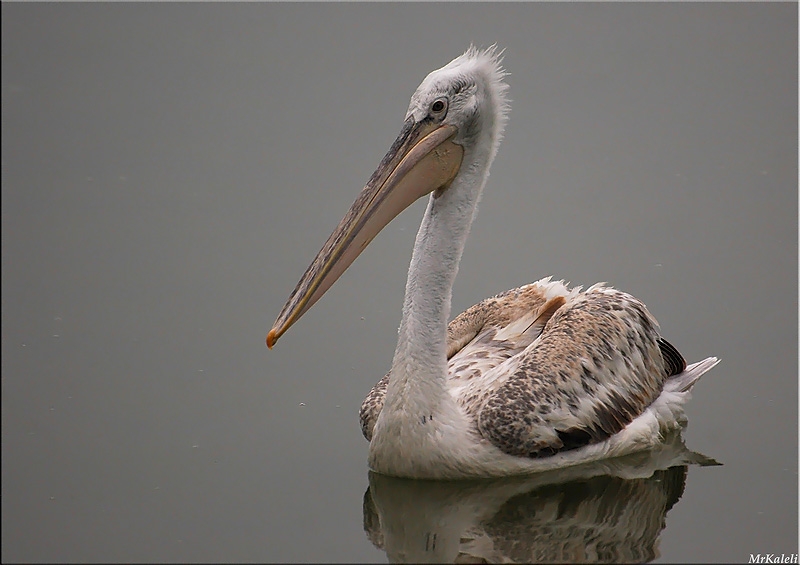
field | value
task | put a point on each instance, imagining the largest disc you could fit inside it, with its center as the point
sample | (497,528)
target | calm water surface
(168,171)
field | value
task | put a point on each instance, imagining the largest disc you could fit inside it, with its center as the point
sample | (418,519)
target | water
(168,171)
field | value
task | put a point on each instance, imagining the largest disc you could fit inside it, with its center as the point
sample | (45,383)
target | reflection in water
(610,511)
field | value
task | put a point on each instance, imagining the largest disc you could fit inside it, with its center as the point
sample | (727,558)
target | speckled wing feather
(596,366)
(372,406)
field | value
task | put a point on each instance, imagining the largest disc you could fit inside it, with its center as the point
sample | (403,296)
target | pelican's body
(536,378)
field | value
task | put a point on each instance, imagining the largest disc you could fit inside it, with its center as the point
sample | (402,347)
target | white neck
(419,371)
(421,429)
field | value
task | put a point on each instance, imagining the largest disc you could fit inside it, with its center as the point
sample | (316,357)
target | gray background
(168,171)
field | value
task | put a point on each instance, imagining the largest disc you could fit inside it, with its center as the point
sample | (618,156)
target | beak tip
(272,337)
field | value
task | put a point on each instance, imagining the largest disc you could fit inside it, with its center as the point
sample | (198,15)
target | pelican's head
(468,94)
(456,116)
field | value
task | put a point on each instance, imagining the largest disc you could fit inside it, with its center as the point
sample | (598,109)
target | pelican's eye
(439,108)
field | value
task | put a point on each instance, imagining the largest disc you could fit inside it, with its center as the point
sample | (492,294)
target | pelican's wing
(372,406)
(511,316)
(484,336)
(597,365)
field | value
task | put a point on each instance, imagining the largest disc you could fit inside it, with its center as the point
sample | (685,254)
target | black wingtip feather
(674,361)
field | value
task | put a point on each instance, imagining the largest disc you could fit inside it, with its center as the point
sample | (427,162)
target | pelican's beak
(422,159)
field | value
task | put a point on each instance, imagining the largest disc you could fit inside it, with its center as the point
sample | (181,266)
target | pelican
(536,378)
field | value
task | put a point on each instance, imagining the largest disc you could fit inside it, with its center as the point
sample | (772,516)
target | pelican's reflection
(610,511)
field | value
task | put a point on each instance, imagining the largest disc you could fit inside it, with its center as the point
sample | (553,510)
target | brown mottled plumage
(577,367)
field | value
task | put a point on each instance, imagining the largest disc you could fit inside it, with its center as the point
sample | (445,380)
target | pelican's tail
(684,381)
(668,407)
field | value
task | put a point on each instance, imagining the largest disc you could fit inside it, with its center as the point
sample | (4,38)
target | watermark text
(773,558)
